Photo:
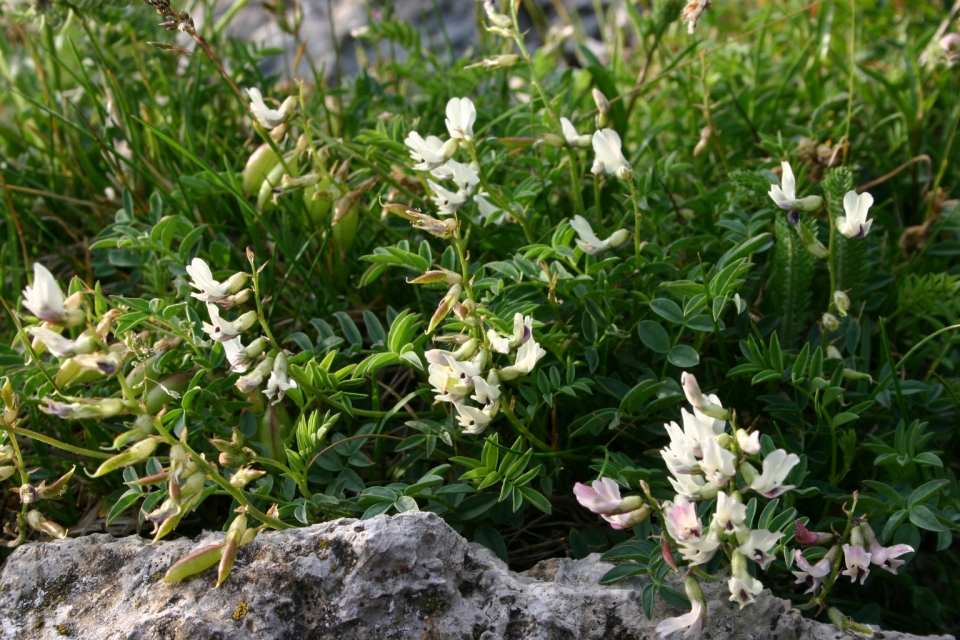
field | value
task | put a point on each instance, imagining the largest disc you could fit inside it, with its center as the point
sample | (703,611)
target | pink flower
(886,557)
(858,563)
(804,536)
(813,575)
(604,497)
(630,519)
(682,520)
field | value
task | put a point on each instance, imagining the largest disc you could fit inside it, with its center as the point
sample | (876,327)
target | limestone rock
(407,576)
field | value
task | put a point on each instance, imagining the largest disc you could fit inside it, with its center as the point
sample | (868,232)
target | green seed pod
(261,163)
(160,394)
(318,202)
(193,563)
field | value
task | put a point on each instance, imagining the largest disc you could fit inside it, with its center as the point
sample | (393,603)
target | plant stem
(507,411)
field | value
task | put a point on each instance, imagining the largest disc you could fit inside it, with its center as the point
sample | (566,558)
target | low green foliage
(577,293)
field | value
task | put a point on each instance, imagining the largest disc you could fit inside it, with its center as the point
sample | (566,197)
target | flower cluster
(272,368)
(705,461)
(468,372)
(436,156)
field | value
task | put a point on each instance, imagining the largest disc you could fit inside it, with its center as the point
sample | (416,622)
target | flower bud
(808,204)
(11,403)
(245,321)
(553,140)
(805,537)
(438,275)
(603,108)
(244,476)
(452,297)
(842,302)
(238,298)
(833,353)
(618,237)
(6,472)
(136,453)
(830,322)
(450,147)
(38,521)
(466,350)
(749,472)
(667,555)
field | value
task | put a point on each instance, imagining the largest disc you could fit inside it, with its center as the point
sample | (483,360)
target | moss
(63,629)
(240,611)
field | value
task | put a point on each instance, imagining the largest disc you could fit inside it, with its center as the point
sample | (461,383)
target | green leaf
(925,491)
(654,336)
(622,571)
(924,518)
(667,309)
(491,539)
(350,331)
(683,356)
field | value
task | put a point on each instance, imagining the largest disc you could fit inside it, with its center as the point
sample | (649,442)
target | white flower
(570,134)
(704,407)
(743,589)
(678,455)
(279,383)
(45,299)
(682,520)
(692,622)
(718,464)
(428,153)
(473,420)
(252,380)
(499,343)
(855,223)
(447,201)
(465,176)
(461,114)
(527,356)
(729,515)
(485,394)
(522,329)
(218,329)
(209,289)
(748,442)
(786,197)
(488,211)
(63,347)
(265,116)
(686,485)
(452,384)
(464,371)
(758,544)
(241,357)
(590,243)
(700,551)
(776,467)
(609,160)
(437,356)
(697,431)
(858,563)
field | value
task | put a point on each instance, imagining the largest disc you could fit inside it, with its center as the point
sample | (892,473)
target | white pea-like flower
(428,153)
(855,223)
(265,116)
(473,420)
(448,202)
(609,158)
(461,114)
(44,299)
(589,242)
(785,195)
(572,136)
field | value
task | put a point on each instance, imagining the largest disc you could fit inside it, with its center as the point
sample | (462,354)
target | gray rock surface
(326,28)
(407,576)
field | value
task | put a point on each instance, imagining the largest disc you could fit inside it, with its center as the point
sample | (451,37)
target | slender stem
(53,442)
(507,411)
(853,70)
(260,314)
(637,219)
